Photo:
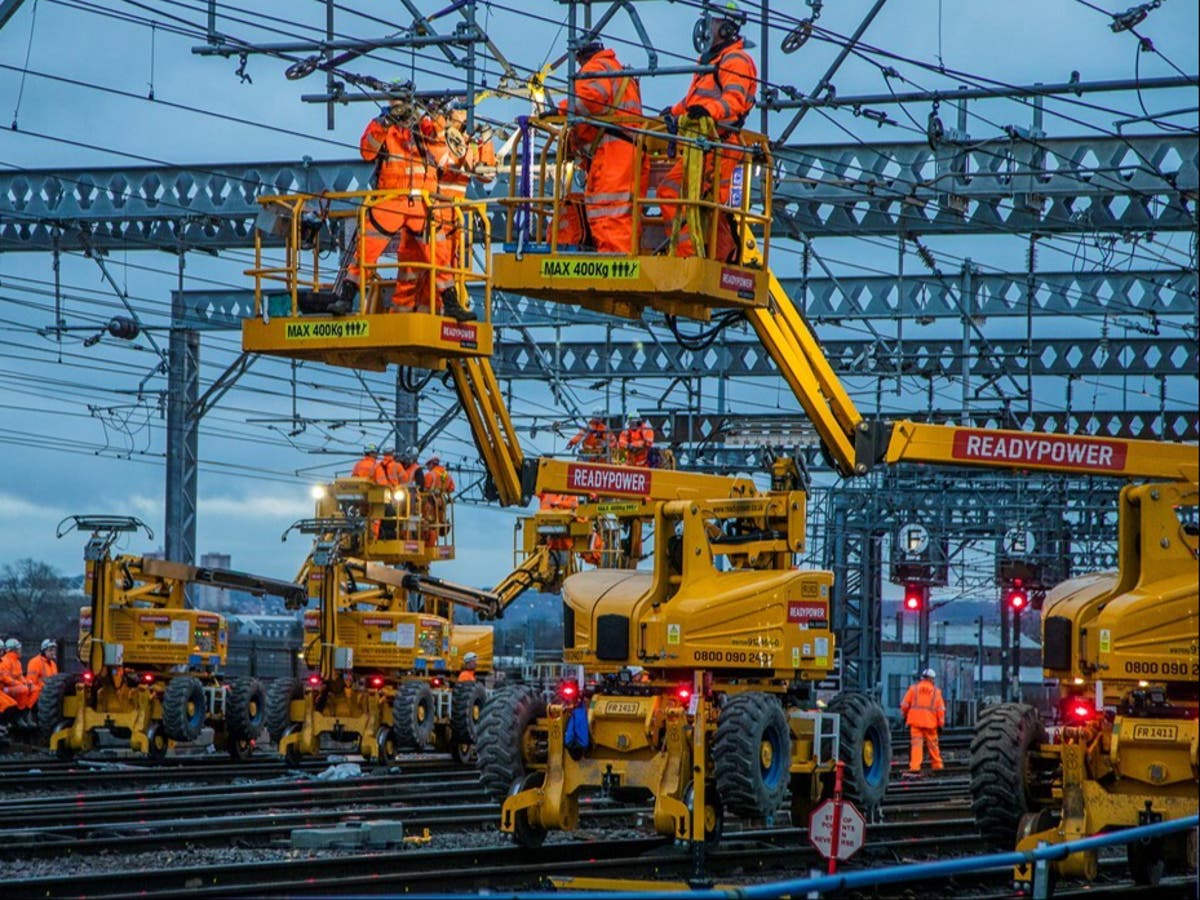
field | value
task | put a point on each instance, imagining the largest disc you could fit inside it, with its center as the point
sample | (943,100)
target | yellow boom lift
(730,649)
(152,664)
(382,646)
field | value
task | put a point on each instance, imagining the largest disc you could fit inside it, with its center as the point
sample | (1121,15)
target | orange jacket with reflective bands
(439,479)
(11,670)
(407,165)
(40,668)
(596,97)
(923,706)
(728,92)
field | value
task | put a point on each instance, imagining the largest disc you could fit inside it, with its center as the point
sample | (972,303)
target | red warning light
(568,690)
(314,680)
(1016,596)
(147,678)
(914,597)
(88,677)
(1080,711)
(376,681)
(684,693)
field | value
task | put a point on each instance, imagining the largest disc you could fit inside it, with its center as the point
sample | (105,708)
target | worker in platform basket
(725,96)
(365,467)
(925,712)
(439,486)
(396,141)
(594,441)
(604,152)
(636,441)
(457,157)
(42,667)
(469,664)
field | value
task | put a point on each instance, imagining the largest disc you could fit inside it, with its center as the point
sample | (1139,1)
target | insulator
(124,328)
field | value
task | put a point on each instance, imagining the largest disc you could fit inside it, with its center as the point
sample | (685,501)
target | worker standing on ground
(725,96)
(396,142)
(604,152)
(469,663)
(925,712)
(12,676)
(42,667)
(593,441)
(636,441)
(365,467)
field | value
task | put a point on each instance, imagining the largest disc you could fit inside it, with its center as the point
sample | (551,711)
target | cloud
(13,507)
(282,509)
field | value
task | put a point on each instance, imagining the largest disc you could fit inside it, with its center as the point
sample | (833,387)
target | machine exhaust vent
(612,638)
(1056,643)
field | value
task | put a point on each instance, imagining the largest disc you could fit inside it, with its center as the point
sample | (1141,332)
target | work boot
(455,310)
(328,303)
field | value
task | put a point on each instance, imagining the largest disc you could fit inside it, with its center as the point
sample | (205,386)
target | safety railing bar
(862,878)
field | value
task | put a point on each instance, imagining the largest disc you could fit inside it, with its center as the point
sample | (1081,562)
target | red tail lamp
(684,693)
(314,680)
(436,682)
(147,678)
(88,676)
(1080,711)
(568,691)
(375,681)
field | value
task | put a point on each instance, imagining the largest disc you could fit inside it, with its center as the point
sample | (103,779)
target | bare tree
(36,601)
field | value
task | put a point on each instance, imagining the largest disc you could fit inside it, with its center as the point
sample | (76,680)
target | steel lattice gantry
(1054,185)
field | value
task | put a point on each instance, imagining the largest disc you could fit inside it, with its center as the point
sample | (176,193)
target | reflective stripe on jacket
(597,97)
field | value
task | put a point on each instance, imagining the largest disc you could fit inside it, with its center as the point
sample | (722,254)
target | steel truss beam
(1157,292)
(1063,185)
(916,356)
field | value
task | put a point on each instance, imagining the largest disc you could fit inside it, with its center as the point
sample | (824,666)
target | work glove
(667,112)
(698,112)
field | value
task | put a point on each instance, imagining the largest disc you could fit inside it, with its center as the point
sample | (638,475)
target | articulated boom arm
(491,427)
(559,476)
(857,445)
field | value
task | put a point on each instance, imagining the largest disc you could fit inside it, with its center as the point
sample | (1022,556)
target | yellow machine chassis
(121,707)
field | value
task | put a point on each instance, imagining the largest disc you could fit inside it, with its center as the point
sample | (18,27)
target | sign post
(836,828)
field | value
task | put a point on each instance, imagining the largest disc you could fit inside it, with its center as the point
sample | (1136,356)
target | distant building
(209,596)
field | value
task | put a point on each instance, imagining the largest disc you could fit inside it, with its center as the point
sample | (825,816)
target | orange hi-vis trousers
(922,738)
(392,227)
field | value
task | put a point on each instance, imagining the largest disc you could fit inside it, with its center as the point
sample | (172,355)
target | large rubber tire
(752,755)
(49,709)
(245,709)
(466,706)
(1001,776)
(183,708)
(865,746)
(501,735)
(279,700)
(413,715)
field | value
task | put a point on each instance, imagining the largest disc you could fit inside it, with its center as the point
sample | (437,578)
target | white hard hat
(929,673)
(12,644)
(636,670)
(48,644)
(470,657)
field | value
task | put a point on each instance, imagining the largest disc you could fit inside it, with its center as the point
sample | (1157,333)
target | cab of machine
(289,322)
(536,262)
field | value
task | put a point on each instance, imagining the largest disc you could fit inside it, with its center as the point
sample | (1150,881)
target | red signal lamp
(914,597)
(1016,596)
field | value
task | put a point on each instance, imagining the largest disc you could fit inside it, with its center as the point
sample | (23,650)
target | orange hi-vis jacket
(636,442)
(620,98)
(923,706)
(407,166)
(40,668)
(728,92)
(12,673)
(388,471)
(548,501)
(365,467)
(593,440)
(437,478)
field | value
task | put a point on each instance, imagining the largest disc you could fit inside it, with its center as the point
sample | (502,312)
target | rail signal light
(915,596)
(1016,596)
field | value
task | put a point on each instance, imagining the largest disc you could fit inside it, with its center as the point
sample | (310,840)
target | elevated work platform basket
(672,264)
(294,300)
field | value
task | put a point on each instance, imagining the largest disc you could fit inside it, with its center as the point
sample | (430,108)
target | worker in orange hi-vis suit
(726,96)
(12,675)
(397,145)
(41,667)
(439,485)
(365,467)
(595,440)
(469,663)
(606,152)
(636,441)
(450,150)
(925,712)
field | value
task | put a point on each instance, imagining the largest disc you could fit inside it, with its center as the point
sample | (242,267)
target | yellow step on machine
(697,675)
